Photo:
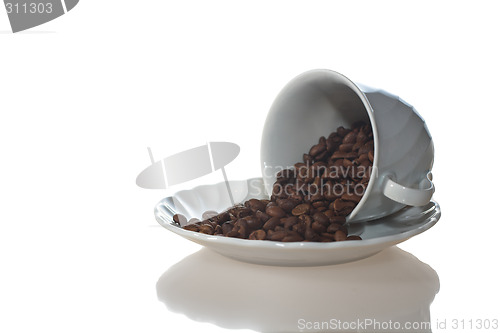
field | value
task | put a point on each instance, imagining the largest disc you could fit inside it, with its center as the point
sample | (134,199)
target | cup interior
(312,105)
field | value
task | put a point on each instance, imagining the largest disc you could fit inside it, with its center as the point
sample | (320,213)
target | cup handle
(407,195)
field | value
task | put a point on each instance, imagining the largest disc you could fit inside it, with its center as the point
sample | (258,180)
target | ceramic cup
(316,102)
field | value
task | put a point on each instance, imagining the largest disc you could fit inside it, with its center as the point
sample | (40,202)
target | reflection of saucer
(377,235)
(391,288)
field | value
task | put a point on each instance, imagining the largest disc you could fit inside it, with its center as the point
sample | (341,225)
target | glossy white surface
(377,235)
(83,97)
(316,103)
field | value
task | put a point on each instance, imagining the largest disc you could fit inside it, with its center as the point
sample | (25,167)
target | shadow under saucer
(390,291)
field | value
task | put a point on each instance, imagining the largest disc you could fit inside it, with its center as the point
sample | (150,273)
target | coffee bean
(253,222)
(241,226)
(262,216)
(337,219)
(346,147)
(331,144)
(258,235)
(255,205)
(206,229)
(321,218)
(308,159)
(292,237)
(341,205)
(192,227)
(318,227)
(271,224)
(301,209)
(227,227)
(275,211)
(286,204)
(361,137)
(366,148)
(233,233)
(351,197)
(333,227)
(317,149)
(350,138)
(341,131)
(340,236)
(289,222)
(329,236)
(370,155)
(285,174)
(276,235)
(310,235)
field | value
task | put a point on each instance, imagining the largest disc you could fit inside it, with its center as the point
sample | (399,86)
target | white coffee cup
(316,102)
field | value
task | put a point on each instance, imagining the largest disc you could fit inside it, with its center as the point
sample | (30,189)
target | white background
(82,97)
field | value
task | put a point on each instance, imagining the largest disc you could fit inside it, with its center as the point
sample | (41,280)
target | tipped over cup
(316,103)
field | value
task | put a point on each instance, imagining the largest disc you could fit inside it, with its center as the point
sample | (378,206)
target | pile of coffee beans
(310,201)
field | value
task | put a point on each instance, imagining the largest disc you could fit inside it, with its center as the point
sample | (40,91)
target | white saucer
(377,234)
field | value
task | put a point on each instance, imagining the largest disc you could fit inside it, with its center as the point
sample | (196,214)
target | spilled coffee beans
(310,201)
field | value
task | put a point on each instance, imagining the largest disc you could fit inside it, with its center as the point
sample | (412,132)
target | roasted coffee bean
(332,144)
(299,227)
(346,147)
(206,229)
(289,222)
(340,154)
(301,209)
(333,227)
(275,211)
(366,148)
(341,205)
(306,219)
(253,222)
(257,235)
(278,190)
(321,157)
(317,149)
(255,205)
(241,226)
(308,159)
(285,174)
(361,137)
(321,218)
(277,235)
(370,155)
(318,204)
(341,131)
(233,233)
(310,235)
(351,197)
(350,138)
(262,216)
(292,236)
(337,219)
(192,227)
(218,230)
(227,227)
(318,227)
(271,224)
(329,213)
(286,204)
(328,235)
(340,236)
